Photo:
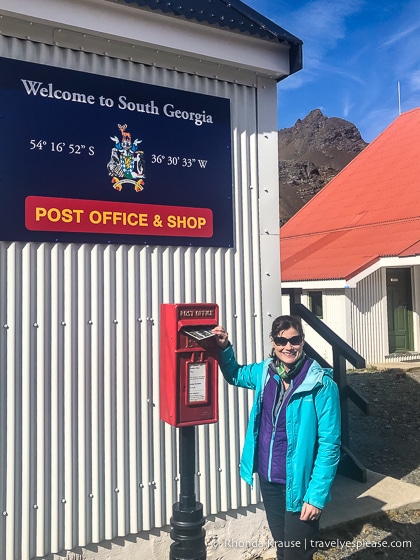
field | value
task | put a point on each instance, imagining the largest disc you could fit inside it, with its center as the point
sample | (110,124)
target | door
(400,309)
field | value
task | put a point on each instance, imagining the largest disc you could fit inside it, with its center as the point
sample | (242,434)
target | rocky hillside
(311,153)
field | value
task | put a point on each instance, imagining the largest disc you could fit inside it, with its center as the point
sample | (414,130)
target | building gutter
(352,282)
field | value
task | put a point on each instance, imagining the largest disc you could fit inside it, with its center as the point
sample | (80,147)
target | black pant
(295,539)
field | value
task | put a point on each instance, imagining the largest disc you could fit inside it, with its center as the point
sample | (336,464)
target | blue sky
(354,54)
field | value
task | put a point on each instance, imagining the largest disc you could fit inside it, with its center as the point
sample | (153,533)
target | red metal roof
(368,211)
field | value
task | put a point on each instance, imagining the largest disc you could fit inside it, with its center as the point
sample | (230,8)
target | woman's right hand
(221,336)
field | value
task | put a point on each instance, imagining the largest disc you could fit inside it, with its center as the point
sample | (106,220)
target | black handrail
(330,336)
(349,465)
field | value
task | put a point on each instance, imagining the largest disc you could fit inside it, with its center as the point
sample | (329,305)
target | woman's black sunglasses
(282,340)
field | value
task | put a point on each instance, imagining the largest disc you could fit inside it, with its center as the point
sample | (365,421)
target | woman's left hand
(309,513)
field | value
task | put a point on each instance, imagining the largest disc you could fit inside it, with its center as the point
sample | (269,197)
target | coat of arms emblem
(127,161)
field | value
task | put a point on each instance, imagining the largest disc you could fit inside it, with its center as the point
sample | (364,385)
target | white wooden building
(353,250)
(86,464)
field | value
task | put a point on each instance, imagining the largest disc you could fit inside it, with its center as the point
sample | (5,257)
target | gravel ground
(393,535)
(386,441)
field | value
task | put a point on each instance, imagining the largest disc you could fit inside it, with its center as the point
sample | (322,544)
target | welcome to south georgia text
(168,110)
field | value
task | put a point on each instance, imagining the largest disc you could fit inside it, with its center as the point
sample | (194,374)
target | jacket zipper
(273,432)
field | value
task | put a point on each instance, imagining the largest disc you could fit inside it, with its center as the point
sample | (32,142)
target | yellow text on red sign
(104,217)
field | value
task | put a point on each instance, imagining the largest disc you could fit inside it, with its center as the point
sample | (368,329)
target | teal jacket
(312,427)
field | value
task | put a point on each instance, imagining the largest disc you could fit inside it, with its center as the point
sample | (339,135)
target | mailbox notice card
(197,382)
(94,159)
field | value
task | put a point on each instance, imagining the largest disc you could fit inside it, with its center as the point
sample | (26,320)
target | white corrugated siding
(416,307)
(369,317)
(83,454)
(358,315)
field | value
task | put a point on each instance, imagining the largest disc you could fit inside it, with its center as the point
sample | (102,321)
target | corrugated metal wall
(369,317)
(83,454)
(416,306)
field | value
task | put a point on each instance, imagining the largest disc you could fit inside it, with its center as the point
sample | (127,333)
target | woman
(293,435)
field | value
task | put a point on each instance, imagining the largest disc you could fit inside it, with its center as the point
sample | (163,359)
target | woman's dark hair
(281,324)
(285,322)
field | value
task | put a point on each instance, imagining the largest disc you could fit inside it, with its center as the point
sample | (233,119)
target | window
(315,303)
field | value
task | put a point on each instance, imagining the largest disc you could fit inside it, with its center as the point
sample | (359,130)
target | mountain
(311,153)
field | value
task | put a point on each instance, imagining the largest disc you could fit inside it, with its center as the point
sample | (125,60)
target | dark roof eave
(249,21)
(283,36)
(295,60)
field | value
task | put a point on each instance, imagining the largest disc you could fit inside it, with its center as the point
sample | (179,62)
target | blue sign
(88,158)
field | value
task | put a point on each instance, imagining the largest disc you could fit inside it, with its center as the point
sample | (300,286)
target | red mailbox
(188,363)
